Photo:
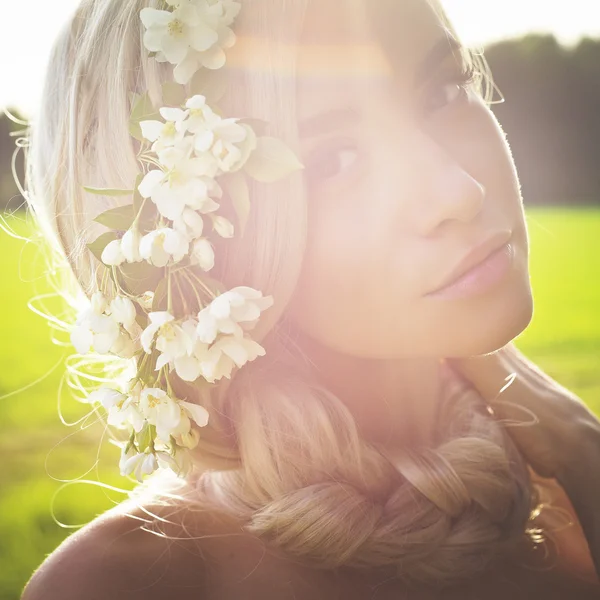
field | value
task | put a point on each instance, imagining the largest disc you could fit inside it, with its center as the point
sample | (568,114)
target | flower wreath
(157,245)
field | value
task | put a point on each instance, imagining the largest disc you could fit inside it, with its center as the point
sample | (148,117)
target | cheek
(357,297)
(352,294)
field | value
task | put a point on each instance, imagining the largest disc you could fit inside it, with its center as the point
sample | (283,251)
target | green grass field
(40,452)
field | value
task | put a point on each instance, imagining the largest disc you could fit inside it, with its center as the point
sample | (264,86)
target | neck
(394,401)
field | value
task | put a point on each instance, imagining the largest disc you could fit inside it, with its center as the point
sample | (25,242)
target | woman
(352,459)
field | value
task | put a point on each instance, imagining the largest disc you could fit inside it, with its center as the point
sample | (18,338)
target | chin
(505,316)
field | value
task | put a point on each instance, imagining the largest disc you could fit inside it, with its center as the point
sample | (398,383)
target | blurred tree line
(551,117)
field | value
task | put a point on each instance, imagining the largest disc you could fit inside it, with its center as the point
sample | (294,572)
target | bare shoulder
(114,557)
(202,555)
(157,552)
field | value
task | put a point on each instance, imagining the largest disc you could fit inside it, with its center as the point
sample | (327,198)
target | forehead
(356,46)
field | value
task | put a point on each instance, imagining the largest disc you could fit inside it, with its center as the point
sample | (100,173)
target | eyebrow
(447,45)
(337,118)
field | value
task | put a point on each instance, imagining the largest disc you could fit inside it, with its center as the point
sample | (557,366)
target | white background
(28,28)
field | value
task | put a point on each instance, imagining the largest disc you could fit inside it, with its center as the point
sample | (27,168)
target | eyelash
(321,158)
(464,79)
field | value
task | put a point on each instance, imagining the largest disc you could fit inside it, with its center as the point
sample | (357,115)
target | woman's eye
(453,89)
(330,163)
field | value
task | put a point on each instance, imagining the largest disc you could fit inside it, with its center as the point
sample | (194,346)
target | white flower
(178,344)
(239,305)
(174,35)
(124,346)
(226,353)
(201,120)
(181,463)
(99,302)
(229,142)
(165,134)
(189,440)
(192,36)
(161,411)
(107,397)
(146,299)
(112,255)
(190,224)
(130,245)
(187,181)
(175,341)
(172,339)
(233,145)
(196,412)
(189,366)
(137,463)
(188,412)
(123,312)
(218,15)
(122,409)
(202,254)
(157,321)
(94,330)
(161,245)
(222,226)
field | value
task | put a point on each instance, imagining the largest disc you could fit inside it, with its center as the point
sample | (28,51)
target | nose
(449,193)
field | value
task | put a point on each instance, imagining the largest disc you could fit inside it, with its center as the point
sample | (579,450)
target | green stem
(210,293)
(169,293)
(118,287)
(149,160)
(104,281)
(191,284)
(181,294)
(139,213)
(116,280)
(169,388)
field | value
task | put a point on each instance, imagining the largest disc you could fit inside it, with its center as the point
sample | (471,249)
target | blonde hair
(281,453)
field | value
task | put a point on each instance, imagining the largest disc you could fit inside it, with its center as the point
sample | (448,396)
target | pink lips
(480,269)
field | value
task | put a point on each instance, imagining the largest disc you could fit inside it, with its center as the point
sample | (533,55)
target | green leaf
(259,126)
(147,371)
(97,246)
(147,219)
(173,94)
(216,286)
(136,131)
(143,110)
(119,218)
(139,277)
(271,160)
(160,295)
(236,187)
(140,315)
(107,191)
(209,83)
(137,197)
(145,436)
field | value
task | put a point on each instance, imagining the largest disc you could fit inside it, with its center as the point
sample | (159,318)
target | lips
(475,256)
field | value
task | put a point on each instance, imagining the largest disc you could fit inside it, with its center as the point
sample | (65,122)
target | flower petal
(187,368)
(198,413)
(152,130)
(82,338)
(151,180)
(184,70)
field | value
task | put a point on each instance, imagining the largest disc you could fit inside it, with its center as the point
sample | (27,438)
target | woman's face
(405,172)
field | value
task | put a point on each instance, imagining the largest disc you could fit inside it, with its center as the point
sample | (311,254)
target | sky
(24,49)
